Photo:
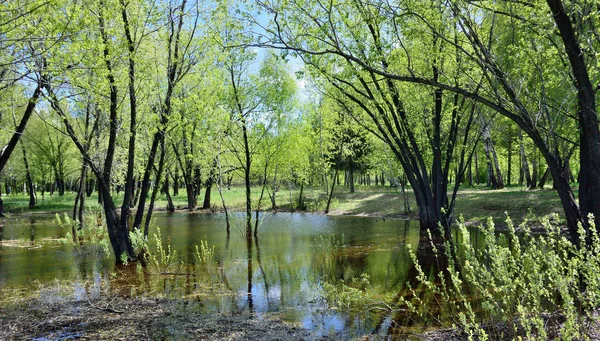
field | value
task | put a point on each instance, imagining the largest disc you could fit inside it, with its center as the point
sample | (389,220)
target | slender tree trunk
(494,171)
(161,162)
(476,168)
(129,179)
(80,198)
(509,171)
(351,176)
(544,178)
(335,175)
(145,188)
(29,181)
(176,182)
(301,206)
(170,205)
(525,164)
(534,173)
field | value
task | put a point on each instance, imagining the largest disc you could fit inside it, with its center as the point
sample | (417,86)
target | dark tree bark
(509,157)
(330,196)
(28,180)
(117,233)
(157,178)
(534,173)
(351,176)
(170,205)
(524,163)
(174,74)
(176,182)
(494,172)
(544,178)
(129,179)
(589,133)
(208,184)
(12,143)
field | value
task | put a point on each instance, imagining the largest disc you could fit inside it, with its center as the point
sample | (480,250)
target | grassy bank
(475,203)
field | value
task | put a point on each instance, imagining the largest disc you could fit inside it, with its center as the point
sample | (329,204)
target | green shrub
(164,259)
(522,285)
(91,236)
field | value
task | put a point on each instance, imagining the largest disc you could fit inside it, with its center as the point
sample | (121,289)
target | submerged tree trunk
(157,178)
(80,197)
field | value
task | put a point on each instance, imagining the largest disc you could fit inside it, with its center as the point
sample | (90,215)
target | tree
(350,54)
(470,32)
(258,104)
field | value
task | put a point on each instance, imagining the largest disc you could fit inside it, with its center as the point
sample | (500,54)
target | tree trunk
(191,198)
(476,168)
(335,175)
(494,171)
(525,164)
(509,171)
(157,179)
(534,173)
(301,206)
(129,179)
(589,147)
(351,176)
(544,178)
(170,206)
(207,193)
(176,182)
(29,181)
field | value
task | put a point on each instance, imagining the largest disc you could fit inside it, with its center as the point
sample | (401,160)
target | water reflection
(281,271)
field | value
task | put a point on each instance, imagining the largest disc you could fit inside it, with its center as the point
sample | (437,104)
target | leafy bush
(91,236)
(519,285)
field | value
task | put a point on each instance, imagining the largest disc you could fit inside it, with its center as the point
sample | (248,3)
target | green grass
(474,203)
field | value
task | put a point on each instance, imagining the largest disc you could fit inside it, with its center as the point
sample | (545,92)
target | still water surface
(281,273)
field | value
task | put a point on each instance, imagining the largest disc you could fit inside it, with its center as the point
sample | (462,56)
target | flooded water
(282,272)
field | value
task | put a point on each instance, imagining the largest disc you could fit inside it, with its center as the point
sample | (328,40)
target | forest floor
(475,203)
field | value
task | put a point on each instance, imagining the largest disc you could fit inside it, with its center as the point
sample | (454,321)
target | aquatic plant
(204,254)
(90,237)
(164,259)
(139,243)
(525,286)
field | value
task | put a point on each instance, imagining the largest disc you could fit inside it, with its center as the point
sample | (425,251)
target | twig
(108,307)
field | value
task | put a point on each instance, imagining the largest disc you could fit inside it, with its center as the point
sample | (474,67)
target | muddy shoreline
(135,318)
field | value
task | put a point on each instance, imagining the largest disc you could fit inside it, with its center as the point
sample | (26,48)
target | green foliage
(204,254)
(164,260)
(139,243)
(90,237)
(352,295)
(518,284)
